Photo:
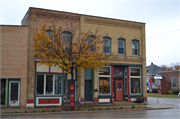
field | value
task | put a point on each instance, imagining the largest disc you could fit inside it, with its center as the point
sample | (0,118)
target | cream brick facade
(14,41)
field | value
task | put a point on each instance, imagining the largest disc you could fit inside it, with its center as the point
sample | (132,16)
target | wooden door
(119,90)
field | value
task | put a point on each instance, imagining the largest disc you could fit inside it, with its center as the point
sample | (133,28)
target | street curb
(95,111)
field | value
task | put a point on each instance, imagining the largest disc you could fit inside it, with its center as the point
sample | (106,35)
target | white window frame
(106,45)
(44,93)
(120,47)
(135,48)
(139,77)
(172,82)
(105,76)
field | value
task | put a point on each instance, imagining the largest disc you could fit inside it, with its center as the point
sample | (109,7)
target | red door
(119,90)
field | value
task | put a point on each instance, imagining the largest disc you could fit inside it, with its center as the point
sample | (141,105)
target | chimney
(152,63)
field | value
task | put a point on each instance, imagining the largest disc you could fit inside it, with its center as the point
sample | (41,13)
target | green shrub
(75,109)
(52,110)
(43,110)
(25,111)
(5,112)
(145,107)
(93,108)
(139,107)
(34,111)
(114,107)
(107,108)
(121,107)
(132,107)
(175,92)
(100,108)
(15,111)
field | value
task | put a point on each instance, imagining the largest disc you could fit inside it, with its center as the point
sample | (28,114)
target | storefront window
(58,84)
(40,84)
(125,86)
(104,85)
(135,79)
(49,84)
(105,81)
(135,85)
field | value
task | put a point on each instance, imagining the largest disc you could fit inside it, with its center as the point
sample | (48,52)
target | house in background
(152,70)
(172,79)
(25,83)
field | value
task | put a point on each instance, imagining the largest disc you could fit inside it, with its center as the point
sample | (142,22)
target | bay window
(49,84)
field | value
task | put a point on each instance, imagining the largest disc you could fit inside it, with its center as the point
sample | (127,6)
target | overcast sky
(162,18)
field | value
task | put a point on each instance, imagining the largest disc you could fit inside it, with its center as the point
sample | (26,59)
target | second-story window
(106,45)
(90,40)
(66,39)
(121,46)
(135,47)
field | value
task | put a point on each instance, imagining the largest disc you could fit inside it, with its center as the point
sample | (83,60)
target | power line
(163,37)
(163,33)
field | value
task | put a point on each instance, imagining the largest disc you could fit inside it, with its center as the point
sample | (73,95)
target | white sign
(158,77)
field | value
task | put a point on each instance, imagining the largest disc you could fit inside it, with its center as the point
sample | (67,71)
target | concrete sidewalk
(86,107)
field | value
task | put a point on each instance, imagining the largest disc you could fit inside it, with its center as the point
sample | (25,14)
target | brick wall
(114,28)
(172,74)
(14,56)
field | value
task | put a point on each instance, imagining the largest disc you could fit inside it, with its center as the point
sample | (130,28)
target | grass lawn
(162,95)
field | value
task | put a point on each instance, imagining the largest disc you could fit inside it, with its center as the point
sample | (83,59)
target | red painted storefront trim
(112,81)
(128,83)
(46,101)
(30,100)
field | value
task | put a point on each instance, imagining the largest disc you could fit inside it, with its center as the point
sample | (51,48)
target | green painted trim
(132,65)
(104,96)
(114,89)
(7,93)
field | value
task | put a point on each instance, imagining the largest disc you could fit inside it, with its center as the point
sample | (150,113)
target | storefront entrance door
(88,90)
(14,93)
(119,90)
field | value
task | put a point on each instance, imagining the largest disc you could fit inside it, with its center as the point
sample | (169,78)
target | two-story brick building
(41,85)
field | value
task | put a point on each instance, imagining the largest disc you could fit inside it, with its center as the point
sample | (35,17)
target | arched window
(49,33)
(121,46)
(90,40)
(66,39)
(135,47)
(107,45)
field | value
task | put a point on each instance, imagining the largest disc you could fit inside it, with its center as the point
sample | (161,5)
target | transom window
(135,46)
(106,44)
(49,84)
(121,46)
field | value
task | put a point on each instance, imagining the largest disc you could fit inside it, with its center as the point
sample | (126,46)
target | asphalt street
(150,114)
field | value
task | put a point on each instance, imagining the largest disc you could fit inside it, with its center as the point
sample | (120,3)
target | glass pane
(106,49)
(120,43)
(135,72)
(104,85)
(14,91)
(125,86)
(49,84)
(125,70)
(134,45)
(134,52)
(135,85)
(69,91)
(40,84)
(104,71)
(58,79)
(106,42)
(120,50)
(65,84)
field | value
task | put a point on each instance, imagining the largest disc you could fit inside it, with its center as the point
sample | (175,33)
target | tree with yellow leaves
(69,50)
